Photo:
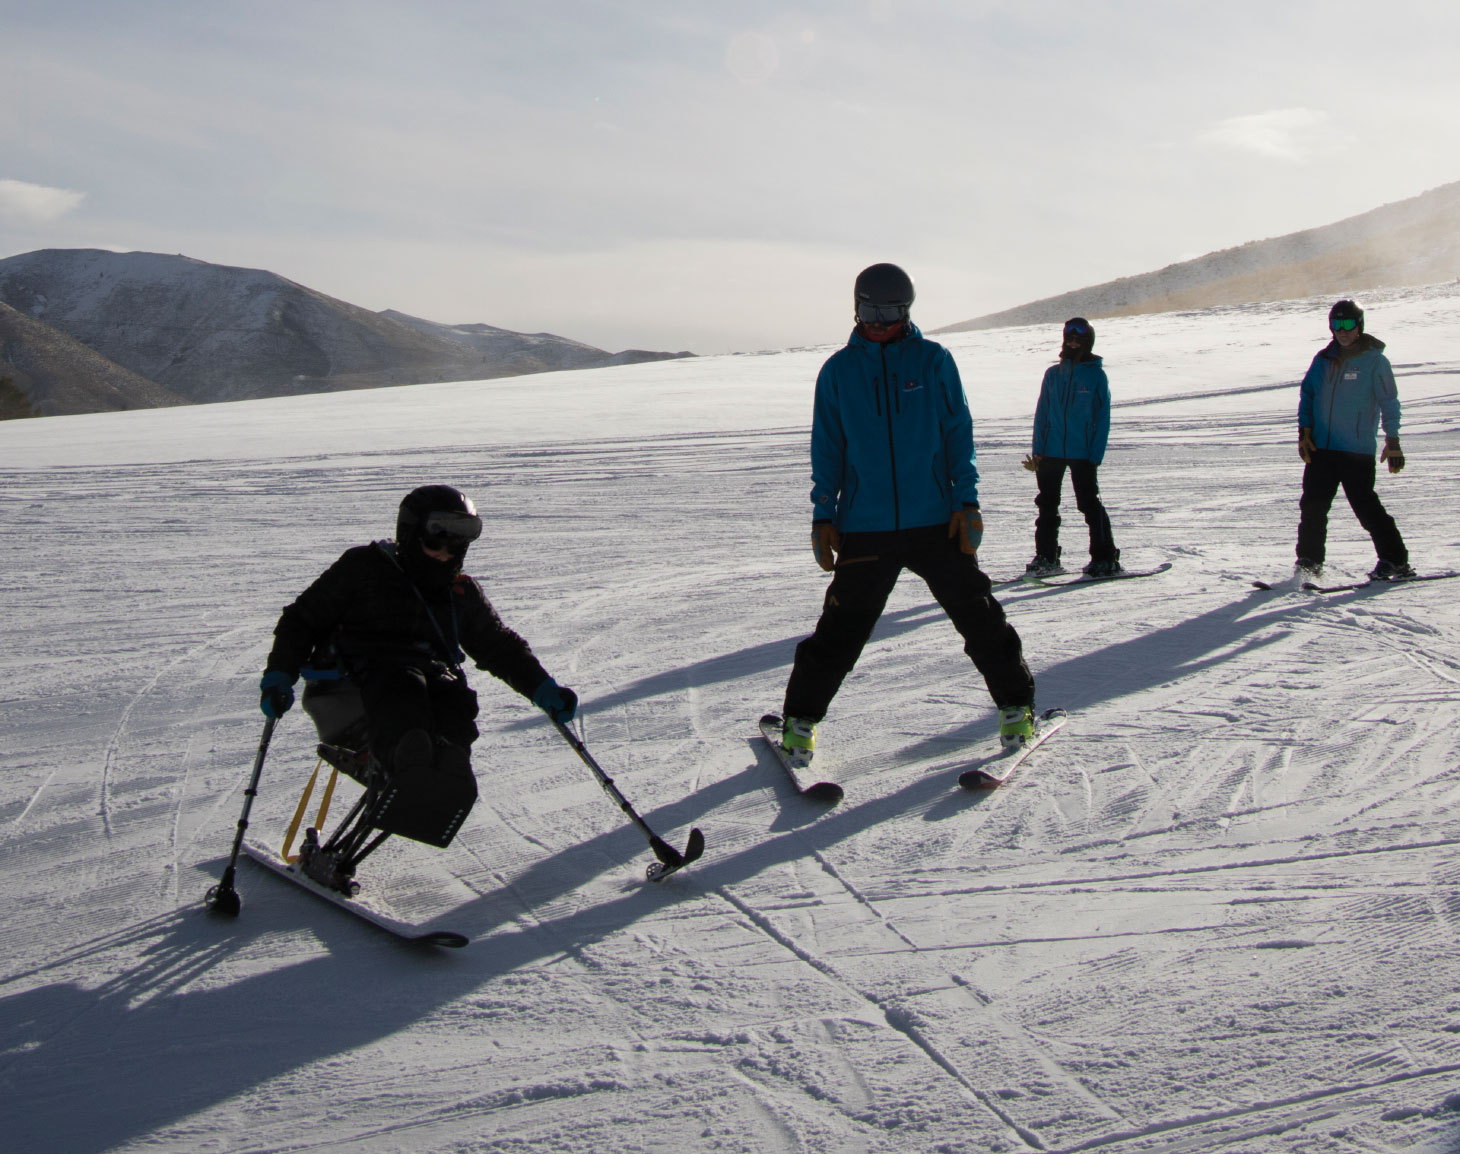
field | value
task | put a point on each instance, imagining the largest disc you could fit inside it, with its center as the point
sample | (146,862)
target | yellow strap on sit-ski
(299,814)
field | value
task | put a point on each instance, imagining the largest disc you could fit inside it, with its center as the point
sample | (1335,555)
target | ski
(1085,579)
(796,767)
(360,908)
(1311,587)
(984,775)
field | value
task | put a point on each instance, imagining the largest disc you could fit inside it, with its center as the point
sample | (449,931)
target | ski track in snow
(1218,912)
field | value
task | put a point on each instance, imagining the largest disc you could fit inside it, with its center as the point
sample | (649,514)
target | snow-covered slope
(1216,913)
(1410,242)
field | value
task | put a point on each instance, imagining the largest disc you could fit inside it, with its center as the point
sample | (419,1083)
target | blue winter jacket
(891,437)
(1072,419)
(1343,397)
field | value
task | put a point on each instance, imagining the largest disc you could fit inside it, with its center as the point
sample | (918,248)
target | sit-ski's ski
(796,766)
(993,771)
(360,908)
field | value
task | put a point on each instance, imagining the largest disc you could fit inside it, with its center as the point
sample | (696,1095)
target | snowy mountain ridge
(210,332)
(1410,242)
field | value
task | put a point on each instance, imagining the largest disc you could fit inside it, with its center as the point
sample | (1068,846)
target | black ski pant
(1324,473)
(400,698)
(1051,476)
(866,572)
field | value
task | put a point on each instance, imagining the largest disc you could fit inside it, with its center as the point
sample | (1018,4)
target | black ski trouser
(866,572)
(1322,476)
(400,698)
(1051,477)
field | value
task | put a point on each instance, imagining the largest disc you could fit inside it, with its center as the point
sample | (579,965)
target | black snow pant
(866,572)
(1051,476)
(400,698)
(1328,469)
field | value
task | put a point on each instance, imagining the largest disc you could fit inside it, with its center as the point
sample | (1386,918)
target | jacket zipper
(891,445)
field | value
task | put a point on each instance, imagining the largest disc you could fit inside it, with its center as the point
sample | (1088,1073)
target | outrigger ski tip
(670,859)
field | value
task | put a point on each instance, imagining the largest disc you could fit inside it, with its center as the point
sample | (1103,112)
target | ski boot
(1016,726)
(1043,567)
(1308,570)
(798,740)
(1391,571)
(1102,568)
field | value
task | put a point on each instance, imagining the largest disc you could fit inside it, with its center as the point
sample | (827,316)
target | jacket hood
(1366,342)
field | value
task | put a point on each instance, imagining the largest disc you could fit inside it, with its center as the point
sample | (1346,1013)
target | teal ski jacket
(1072,419)
(891,437)
(1345,396)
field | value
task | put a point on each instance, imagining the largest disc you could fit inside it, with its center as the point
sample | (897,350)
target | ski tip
(827,792)
(771,719)
(694,848)
(978,779)
(444,938)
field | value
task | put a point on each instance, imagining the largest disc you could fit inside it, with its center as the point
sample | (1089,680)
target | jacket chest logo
(1351,376)
(910,386)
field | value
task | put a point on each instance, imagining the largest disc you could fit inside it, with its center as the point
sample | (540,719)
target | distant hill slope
(1410,242)
(45,373)
(212,332)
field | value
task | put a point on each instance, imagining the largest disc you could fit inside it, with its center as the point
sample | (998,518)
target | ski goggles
(1343,324)
(447,530)
(870,313)
(1077,329)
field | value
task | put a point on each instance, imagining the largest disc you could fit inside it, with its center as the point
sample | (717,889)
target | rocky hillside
(1410,242)
(209,332)
(45,373)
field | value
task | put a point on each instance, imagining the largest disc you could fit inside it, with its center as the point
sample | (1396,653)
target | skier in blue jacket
(1348,391)
(1071,427)
(894,486)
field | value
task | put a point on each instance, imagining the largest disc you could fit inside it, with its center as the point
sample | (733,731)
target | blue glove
(276,693)
(557,701)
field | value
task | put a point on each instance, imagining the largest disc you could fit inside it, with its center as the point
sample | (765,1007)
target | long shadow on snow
(748,662)
(92,1069)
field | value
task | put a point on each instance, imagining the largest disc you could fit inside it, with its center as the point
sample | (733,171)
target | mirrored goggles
(1343,324)
(875,314)
(1077,330)
(445,530)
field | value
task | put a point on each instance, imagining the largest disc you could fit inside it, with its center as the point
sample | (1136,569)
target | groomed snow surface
(1218,912)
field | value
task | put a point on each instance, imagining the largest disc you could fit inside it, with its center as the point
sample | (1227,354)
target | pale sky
(674,174)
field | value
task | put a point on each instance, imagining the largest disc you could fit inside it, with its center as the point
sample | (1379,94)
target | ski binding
(796,765)
(992,772)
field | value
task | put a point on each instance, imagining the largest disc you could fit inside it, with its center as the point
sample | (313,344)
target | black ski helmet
(439,517)
(1346,311)
(883,294)
(1082,330)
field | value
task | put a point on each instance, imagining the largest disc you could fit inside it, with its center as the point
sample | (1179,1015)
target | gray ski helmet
(883,294)
(438,516)
(1346,311)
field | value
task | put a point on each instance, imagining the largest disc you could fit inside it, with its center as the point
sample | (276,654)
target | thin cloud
(1291,134)
(35,203)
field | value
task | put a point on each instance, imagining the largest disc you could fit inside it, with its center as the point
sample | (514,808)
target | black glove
(557,701)
(276,693)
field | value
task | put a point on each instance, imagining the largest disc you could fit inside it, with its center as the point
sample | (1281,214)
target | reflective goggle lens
(875,314)
(1077,330)
(444,530)
(1345,325)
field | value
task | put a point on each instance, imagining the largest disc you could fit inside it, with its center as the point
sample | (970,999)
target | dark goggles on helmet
(448,530)
(1343,324)
(1077,329)
(877,314)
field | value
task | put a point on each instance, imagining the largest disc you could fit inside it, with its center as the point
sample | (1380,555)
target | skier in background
(894,487)
(1071,427)
(1348,390)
